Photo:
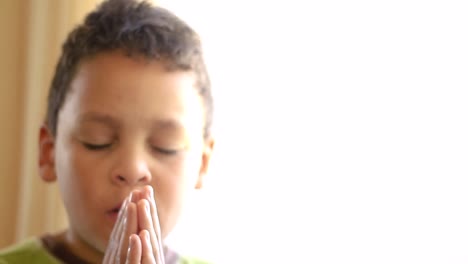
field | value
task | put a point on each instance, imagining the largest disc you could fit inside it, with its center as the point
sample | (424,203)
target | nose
(131,170)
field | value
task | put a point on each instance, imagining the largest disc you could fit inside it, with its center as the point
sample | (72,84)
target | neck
(79,248)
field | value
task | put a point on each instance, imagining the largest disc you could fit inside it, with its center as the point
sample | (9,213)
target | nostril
(121,178)
(143,179)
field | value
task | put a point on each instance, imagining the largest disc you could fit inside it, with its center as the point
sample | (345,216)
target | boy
(127,136)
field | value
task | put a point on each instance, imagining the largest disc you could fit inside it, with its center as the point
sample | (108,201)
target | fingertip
(134,249)
(145,192)
(143,233)
(136,195)
(131,242)
(150,191)
(131,208)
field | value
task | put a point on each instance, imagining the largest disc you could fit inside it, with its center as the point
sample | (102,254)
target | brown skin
(138,222)
(126,123)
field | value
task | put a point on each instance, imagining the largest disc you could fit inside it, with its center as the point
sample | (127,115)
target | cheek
(73,166)
(174,185)
(174,179)
(64,166)
(76,174)
(189,171)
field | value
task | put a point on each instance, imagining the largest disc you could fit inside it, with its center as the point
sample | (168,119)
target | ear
(206,158)
(46,155)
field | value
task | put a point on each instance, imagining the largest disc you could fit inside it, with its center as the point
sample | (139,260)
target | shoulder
(191,260)
(174,257)
(29,251)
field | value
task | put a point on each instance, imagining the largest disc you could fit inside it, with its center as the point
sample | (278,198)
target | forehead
(133,90)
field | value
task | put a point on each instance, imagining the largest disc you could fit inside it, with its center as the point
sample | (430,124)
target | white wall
(342,132)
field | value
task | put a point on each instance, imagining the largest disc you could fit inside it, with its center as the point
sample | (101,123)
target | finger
(129,229)
(146,223)
(113,242)
(147,256)
(118,222)
(134,250)
(136,196)
(153,210)
(121,234)
(155,218)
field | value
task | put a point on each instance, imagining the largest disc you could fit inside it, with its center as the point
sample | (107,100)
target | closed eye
(95,146)
(165,151)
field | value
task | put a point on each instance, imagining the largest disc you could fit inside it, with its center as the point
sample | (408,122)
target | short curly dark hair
(139,29)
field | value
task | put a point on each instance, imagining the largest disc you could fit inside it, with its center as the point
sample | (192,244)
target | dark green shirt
(36,251)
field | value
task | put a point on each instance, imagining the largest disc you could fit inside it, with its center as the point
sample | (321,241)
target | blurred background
(342,129)
(32,34)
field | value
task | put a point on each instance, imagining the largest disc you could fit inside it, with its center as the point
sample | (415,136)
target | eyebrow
(166,124)
(98,118)
(157,123)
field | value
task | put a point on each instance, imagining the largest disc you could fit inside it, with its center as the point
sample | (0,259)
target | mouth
(114,212)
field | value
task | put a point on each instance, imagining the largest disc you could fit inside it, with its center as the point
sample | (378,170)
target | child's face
(126,123)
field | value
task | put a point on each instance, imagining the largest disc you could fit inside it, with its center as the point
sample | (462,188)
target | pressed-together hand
(136,236)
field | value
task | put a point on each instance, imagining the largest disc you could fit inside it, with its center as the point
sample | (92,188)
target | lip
(113,213)
(112,216)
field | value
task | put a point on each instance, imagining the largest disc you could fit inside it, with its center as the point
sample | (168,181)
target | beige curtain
(31,35)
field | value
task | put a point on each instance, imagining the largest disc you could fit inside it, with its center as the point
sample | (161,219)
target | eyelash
(94,147)
(168,152)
